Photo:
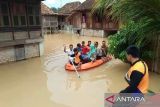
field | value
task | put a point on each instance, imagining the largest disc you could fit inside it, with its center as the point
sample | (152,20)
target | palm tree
(135,10)
(142,9)
(101,6)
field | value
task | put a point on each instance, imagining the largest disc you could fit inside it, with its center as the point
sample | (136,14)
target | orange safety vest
(77,59)
(142,67)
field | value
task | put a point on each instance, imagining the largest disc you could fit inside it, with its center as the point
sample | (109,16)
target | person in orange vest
(78,59)
(137,77)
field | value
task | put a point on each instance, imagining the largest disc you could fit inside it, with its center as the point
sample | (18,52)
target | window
(34,15)
(30,10)
(4,9)
(19,18)
(5,20)
(37,11)
(23,20)
(31,22)
(16,22)
(37,20)
(4,15)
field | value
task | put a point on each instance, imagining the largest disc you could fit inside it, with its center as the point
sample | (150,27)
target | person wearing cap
(137,77)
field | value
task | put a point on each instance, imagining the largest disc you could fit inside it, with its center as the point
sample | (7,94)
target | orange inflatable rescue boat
(88,65)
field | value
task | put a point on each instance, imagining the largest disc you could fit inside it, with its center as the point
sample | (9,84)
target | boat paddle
(75,69)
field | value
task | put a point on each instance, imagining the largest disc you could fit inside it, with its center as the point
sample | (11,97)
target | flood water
(43,82)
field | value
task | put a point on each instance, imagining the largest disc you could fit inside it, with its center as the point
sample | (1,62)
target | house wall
(76,21)
(92,32)
(92,25)
(32,50)
(19,52)
(6,36)
(21,35)
(49,23)
(20,30)
(7,54)
(62,22)
(86,19)
(35,34)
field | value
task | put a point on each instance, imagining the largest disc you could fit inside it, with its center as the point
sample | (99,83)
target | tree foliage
(130,34)
(141,23)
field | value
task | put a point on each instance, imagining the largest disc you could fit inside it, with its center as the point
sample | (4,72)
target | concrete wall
(32,50)
(15,53)
(91,32)
(7,54)
(35,34)
(6,36)
(21,35)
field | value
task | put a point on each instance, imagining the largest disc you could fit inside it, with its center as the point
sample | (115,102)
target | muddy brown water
(43,82)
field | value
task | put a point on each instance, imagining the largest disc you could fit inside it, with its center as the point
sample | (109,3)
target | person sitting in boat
(104,49)
(79,47)
(70,51)
(84,52)
(84,48)
(92,52)
(98,51)
(77,58)
(89,43)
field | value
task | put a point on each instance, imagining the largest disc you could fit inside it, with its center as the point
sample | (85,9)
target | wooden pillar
(10,4)
(27,18)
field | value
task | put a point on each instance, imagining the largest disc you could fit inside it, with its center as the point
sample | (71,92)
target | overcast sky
(58,3)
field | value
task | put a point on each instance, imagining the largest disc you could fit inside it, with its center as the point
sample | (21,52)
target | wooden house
(64,12)
(89,24)
(49,19)
(20,30)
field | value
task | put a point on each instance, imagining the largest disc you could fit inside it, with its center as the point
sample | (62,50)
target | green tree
(143,15)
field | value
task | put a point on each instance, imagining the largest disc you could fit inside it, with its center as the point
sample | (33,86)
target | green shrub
(131,34)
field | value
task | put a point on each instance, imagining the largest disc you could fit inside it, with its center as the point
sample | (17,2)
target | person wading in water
(137,77)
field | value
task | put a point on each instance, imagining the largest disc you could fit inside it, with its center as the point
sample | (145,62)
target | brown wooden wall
(86,20)
(19,16)
(76,20)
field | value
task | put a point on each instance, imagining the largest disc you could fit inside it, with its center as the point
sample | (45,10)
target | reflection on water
(43,82)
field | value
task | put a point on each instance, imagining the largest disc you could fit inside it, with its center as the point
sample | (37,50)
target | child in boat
(77,58)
